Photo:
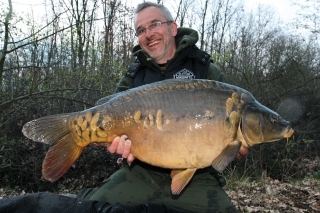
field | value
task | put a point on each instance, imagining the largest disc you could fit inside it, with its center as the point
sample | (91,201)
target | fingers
(243,151)
(114,145)
(130,158)
(122,146)
(119,144)
(125,149)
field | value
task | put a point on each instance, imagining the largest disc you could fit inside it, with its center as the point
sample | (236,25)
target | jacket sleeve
(214,73)
(51,203)
(125,83)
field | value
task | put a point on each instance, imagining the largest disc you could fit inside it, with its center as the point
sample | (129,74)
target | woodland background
(81,48)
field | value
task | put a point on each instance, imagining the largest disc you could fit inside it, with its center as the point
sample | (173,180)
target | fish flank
(160,120)
(94,122)
(88,116)
(137,117)
(84,125)
(151,120)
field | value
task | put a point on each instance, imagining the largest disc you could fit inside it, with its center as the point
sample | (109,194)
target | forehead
(147,16)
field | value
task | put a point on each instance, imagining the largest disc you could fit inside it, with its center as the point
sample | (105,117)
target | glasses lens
(151,27)
(140,32)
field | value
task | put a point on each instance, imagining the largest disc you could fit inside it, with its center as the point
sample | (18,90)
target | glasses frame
(154,25)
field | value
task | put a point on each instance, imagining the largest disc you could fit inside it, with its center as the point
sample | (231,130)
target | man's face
(159,42)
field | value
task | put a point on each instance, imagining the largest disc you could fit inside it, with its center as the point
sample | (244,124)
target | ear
(174,28)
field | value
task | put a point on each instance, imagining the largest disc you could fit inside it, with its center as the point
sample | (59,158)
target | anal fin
(226,156)
(180,178)
(60,158)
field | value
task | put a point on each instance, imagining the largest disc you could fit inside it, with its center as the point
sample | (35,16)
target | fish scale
(183,125)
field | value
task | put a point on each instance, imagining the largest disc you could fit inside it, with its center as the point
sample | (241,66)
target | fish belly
(183,143)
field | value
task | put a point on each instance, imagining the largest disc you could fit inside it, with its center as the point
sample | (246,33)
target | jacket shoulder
(214,73)
(125,83)
(133,69)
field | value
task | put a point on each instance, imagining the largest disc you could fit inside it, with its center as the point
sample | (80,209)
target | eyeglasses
(153,26)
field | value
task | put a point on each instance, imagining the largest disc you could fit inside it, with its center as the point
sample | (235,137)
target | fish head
(259,124)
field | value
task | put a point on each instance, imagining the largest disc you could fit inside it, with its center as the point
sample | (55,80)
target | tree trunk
(5,42)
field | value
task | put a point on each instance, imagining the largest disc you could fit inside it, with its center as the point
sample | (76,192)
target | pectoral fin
(226,156)
(180,178)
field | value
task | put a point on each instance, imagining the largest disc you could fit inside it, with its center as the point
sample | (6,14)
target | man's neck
(162,66)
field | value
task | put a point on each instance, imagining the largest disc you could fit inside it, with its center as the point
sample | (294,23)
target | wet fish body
(183,125)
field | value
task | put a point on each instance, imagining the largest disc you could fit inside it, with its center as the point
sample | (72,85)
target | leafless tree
(4,51)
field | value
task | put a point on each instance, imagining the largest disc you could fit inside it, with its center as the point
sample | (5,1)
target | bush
(21,162)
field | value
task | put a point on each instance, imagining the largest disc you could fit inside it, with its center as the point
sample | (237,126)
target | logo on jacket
(184,74)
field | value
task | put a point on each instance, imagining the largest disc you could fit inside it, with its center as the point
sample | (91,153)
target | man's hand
(122,145)
(243,151)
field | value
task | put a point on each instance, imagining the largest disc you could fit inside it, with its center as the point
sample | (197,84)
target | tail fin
(60,158)
(55,130)
(48,129)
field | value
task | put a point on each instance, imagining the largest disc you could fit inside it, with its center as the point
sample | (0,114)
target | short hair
(164,10)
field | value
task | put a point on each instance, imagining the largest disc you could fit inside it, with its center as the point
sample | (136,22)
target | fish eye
(274,120)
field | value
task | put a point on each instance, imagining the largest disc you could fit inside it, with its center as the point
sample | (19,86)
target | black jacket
(189,62)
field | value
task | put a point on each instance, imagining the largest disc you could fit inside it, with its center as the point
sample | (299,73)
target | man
(164,51)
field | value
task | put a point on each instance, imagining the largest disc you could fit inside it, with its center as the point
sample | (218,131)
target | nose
(149,33)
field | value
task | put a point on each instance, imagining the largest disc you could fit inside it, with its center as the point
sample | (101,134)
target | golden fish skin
(175,124)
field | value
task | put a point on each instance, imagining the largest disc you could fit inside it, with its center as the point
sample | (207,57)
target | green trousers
(140,183)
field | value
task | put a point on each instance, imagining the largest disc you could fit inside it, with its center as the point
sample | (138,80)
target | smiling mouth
(153,43)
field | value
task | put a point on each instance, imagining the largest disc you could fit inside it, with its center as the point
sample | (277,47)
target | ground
(277,197)
(265,196)
(248,195)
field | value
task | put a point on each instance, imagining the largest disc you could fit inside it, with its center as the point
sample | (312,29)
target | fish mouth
(289,133)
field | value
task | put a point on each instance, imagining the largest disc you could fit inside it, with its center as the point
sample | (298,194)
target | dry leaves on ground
(268,195)
(277,197)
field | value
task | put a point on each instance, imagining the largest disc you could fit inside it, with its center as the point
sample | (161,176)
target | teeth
(152,43)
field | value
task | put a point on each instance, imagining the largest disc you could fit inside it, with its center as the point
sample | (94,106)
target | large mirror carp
(183,125)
